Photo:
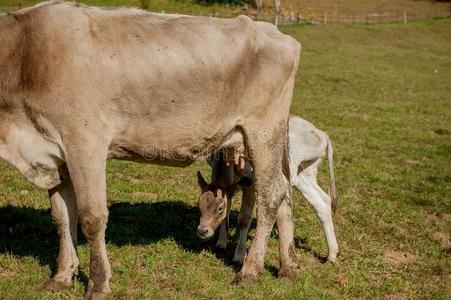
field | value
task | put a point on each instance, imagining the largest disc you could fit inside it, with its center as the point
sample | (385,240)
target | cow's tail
(330,162)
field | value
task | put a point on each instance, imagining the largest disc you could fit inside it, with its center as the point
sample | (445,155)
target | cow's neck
(11,53)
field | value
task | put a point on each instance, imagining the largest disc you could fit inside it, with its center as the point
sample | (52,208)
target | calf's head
(212,206)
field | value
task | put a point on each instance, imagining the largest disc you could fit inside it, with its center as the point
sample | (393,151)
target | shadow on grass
(301,243)
(28,231)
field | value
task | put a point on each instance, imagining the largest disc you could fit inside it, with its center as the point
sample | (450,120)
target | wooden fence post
(325,18)
(405,17)
(278,6)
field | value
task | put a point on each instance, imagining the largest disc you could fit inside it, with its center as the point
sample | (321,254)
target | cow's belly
(176,144)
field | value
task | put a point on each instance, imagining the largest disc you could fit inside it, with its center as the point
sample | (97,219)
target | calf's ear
(202,183)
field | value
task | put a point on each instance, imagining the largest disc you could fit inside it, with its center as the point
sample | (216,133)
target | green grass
(381,92)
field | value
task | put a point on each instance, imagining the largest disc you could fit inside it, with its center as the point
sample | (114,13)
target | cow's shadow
(28,231)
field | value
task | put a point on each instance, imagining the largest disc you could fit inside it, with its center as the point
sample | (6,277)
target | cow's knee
(93,223)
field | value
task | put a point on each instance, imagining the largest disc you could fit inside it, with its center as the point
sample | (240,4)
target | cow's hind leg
(87,168)
(271,185)
(65,217)
(288,265)
(321,202)
(244,222)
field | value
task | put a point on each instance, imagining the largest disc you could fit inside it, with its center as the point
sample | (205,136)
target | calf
(308,145)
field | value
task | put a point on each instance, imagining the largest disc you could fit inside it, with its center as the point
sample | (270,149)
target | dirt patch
(398,296)
(398,257)
(342,279)
(442,238)
(145,195)
(4,272)
(401,230)
(446,217)
(412,162)
(136,181)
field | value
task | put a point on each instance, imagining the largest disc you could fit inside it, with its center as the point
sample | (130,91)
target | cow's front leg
(65,217)
(288,265)
(244,222)
(87,171)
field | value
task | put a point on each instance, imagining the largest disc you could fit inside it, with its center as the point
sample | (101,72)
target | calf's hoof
(241,278)
(290,273)
(332,257)
(239,257)
(221,245)
(55,286)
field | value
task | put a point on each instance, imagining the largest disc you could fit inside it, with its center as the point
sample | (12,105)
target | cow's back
(150,78)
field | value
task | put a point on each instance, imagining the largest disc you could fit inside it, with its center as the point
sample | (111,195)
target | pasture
(310,9)
(383,94)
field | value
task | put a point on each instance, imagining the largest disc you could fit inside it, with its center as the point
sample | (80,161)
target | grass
(307,8)
(383,94)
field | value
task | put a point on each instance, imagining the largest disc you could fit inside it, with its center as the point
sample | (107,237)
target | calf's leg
(321,202)
(244,222)
(223,235)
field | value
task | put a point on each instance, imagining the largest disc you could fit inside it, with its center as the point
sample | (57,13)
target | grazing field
(383,93)
(306,8)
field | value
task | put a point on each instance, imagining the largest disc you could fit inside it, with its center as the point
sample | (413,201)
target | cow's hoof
(290,273)
(92,294)
(241,278)
(99,296)
(57,286)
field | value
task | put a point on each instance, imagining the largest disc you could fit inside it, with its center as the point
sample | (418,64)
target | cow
(307,146)
(80,85)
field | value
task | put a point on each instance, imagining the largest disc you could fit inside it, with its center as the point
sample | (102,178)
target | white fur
(308,145)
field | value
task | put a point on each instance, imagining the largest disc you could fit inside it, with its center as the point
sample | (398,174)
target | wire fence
(293,18)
